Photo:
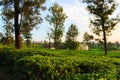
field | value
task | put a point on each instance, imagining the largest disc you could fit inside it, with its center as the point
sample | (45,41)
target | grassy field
(45,64)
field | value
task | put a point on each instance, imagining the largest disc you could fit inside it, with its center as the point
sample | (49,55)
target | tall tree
(56,19)
(102,22)
(72,34)
(26,8)
(30,18)
(16,23)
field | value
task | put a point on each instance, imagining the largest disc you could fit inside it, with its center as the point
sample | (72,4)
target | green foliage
(69,45)
(51,68)
(25,13)
(87,37)
(102,24)
(56,18)
(61,65)
(72,33)
(28,38)
(30,17)
(7,26)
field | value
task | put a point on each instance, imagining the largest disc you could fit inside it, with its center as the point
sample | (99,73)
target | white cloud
(52,1)
(118,1)
(79,16)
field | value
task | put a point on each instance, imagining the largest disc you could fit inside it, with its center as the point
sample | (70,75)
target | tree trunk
(105,42)
(17,27)
(55,42)
(104,35)
(103,28)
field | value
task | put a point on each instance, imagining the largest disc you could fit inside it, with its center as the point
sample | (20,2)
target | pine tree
(102,22)
(72,33)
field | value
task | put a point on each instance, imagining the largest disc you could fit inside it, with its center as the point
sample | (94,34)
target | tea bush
(60,65)
(64,68)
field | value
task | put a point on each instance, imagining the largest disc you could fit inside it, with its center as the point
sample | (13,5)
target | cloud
(52,1)
(78,15)
(118,1)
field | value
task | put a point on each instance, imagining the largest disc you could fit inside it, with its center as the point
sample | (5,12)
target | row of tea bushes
(65,68)
(48,65)
(9,57)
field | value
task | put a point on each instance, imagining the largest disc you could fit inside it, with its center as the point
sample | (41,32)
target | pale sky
(77,14)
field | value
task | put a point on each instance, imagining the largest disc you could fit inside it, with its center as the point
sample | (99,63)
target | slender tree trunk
(105,42)
(17,27)
(55,42)
(103,27)
(104,36)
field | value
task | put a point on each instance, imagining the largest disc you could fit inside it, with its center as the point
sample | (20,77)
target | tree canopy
(56,18)
(102,23)
(71,36)
(29,11)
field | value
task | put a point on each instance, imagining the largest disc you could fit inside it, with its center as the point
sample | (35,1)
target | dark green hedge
(45,65)
(64,68)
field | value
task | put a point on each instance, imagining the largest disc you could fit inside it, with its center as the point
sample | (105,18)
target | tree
(87,38)
(33,6)
(56,19)
(72,33)
(102,22)
(8,25)
(30,18)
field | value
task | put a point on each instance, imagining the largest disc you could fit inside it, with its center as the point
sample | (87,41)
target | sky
(77,14)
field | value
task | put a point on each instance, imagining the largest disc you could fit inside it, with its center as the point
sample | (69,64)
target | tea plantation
(44,64)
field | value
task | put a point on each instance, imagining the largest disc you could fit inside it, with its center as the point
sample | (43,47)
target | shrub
(62,68)
(62,65)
